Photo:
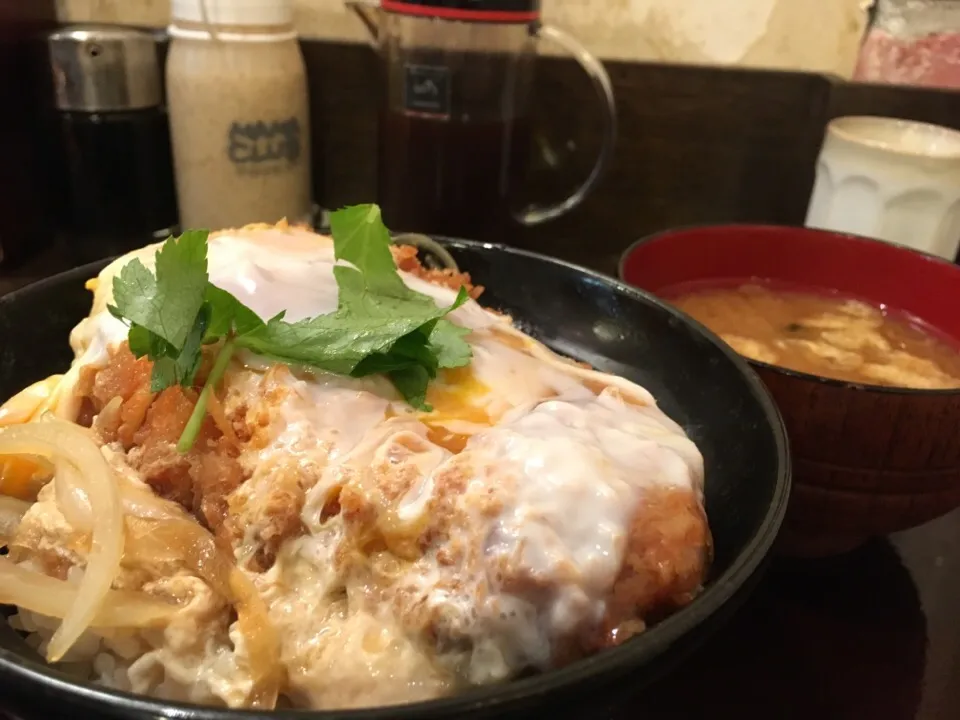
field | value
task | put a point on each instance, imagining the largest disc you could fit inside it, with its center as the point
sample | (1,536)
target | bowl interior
(696,378)
(881,273)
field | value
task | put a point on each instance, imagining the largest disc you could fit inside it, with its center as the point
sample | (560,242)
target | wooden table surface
(874,635)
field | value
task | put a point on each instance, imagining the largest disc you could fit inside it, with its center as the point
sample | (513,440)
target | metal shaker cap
(99,68)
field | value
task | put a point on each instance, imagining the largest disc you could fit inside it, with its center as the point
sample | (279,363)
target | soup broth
(824,334)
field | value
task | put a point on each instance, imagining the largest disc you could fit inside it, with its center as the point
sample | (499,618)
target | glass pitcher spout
(369,13)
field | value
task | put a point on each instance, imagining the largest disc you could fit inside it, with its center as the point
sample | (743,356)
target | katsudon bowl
(868,459)
(699,382)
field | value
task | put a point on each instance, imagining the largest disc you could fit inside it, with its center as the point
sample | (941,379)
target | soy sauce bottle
(114,140)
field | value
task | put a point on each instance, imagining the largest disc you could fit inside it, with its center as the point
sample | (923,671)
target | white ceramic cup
(890,179)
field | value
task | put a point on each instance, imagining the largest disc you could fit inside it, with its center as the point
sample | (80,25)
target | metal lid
(497,11)
(99,68)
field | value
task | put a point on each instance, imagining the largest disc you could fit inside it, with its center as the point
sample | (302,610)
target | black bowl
(697,380)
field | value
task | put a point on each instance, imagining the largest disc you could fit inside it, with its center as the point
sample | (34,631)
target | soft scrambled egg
(403,554)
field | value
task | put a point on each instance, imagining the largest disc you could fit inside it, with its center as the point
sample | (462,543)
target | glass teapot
(455,137)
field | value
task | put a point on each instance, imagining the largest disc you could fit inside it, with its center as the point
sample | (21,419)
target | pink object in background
(930,61)
(913,42)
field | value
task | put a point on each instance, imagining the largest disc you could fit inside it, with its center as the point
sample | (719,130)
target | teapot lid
(493,11)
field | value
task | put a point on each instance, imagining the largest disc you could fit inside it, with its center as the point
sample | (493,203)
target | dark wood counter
(869,636)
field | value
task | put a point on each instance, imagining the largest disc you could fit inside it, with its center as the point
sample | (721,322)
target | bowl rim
(665,235)
(658,638)
(847,128)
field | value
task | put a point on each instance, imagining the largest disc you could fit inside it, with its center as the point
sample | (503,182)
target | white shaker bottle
(239,115)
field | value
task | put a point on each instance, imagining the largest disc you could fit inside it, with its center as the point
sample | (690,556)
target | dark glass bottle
(114,138)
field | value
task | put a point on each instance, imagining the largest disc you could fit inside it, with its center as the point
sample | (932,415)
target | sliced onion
(94,497)
(140,502)
(72,499)
(137,499)
(107,422)
(183,539)
(54,598)
(11,513)
(66,443)
(30,401)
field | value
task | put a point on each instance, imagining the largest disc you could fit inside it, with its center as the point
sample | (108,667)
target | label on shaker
(259,146)
(426,89)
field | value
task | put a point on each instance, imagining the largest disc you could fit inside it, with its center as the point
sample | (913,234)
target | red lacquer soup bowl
(868,460)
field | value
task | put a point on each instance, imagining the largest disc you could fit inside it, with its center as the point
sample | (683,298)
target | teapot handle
(537,214)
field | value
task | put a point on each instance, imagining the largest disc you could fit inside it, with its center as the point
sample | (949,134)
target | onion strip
(48,596)
(72,501)
(137,499)
(185,540)
(65,442)
(95,497)
(11,513)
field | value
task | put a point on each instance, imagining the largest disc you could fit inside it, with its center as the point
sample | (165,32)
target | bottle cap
(233,12)
(495,11)
(103,68)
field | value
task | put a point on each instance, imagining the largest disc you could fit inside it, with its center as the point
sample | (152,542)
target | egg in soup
(824,334)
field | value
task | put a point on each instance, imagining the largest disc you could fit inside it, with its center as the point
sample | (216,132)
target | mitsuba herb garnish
(380,326)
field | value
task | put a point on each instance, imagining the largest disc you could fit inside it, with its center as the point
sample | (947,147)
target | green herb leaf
(366,324)
(448,345)
(181,368)
(228,315)
(143,342)
(411,350)
(380,326)
(195,422)
(412,383)
(166,304)
(361,238)
(335,343)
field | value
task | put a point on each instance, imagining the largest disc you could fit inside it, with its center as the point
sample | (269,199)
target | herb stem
(190,432)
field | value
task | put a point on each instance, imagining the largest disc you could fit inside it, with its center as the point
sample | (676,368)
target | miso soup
(824,334)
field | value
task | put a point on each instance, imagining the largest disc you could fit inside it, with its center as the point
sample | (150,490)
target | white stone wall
(815,35)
